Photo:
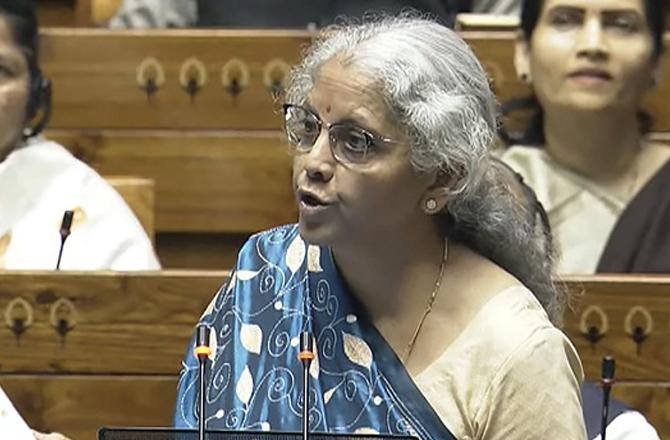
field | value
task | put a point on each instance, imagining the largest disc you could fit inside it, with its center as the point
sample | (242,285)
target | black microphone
(202,351)
(306,356)
(607,380)
(65,227)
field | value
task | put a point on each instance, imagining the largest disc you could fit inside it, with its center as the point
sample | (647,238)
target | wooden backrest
(223,181)
(98,77)
(130,330)
(138,193)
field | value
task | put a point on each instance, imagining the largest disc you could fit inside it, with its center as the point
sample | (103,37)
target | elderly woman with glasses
(430,302)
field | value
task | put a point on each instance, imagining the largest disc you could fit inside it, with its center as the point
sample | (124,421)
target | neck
(394,276)
(586,142)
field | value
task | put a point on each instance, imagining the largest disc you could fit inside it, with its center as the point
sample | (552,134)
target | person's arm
(536,393)
(143,14)
(51,436)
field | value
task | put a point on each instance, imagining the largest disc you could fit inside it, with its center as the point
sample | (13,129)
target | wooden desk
(119,363)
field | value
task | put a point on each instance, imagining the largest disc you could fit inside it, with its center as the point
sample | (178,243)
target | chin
(318,234)
(593,102)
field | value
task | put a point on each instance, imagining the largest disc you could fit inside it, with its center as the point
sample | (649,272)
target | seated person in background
(605,186)
(430,303)
(624,423)
(284,13)
(40,179)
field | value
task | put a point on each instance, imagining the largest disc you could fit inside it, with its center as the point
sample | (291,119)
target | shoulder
(45,163)
(510,373)
(536,375)
(529,161)
(521,330)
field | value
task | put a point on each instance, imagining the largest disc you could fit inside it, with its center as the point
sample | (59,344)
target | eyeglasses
(350,145)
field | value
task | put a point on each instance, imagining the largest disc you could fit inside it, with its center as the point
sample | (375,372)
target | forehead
(8,46)
(346,90)
(597,5)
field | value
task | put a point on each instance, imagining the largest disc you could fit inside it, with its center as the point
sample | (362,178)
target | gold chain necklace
(429,306)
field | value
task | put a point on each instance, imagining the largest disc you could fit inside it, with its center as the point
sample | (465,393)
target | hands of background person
(52,436)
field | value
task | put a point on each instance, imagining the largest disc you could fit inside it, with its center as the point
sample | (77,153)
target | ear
(437,196)
(522,57)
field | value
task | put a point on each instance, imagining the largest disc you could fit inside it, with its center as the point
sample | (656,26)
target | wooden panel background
(205,182)
(643,301)
(123,323)
(98,69)
(132,331)
(139,195)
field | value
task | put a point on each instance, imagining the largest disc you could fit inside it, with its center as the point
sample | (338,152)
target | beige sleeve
(536,394)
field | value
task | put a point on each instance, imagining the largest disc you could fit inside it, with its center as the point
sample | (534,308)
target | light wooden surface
(625,302)
(138,193)
(122,322)
(228,182)
(98,69)
(97,76)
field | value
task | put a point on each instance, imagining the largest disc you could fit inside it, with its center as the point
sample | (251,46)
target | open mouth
(311,200)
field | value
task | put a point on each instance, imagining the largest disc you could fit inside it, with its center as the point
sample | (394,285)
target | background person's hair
(530,15)
(437,92)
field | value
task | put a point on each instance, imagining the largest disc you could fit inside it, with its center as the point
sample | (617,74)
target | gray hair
(433,85)
(437,92)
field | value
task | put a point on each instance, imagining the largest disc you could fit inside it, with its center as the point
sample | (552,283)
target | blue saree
(280,287)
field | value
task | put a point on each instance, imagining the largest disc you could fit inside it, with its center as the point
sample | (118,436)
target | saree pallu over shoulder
(280,287)
(640,240)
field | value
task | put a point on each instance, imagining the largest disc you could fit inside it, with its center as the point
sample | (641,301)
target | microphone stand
(607,380)
(306,356)
(202,351)
(65,227)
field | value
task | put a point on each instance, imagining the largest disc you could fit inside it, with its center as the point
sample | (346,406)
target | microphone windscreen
(608,367)
(66,224)
(202,336)
(306,342)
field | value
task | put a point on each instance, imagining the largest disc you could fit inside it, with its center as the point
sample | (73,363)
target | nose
(319,162)
(592,41)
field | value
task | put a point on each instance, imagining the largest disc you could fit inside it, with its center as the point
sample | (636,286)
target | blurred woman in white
(40,179)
